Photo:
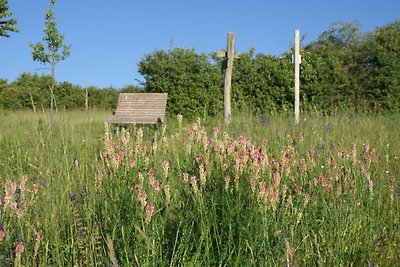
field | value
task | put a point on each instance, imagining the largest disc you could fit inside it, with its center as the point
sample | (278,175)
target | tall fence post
(228,77)
(228,57)
(297,61)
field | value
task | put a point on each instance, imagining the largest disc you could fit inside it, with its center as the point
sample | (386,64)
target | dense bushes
(191,81)
(343,69)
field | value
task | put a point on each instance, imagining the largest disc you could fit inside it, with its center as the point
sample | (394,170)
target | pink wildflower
(191,133)
(19,248)
(151,174)
(224,167)
(165,166)
(155,184)
(143,151)
(242,139)
(149,213)
(262,187)
(20,213)
(277,178)
(2,234)
(273,194)
(326,182)
(307,198)
(142,197)
(296,188)
(345,154)
(302,166)
(193,181)
(300,138)
(132,163)
(114,145)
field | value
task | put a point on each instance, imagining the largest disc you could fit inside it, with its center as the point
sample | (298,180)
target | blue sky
(109,38)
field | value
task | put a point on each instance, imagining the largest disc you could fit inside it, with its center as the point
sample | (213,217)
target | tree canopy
(7,24)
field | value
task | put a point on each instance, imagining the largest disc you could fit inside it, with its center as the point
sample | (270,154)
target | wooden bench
(139,108)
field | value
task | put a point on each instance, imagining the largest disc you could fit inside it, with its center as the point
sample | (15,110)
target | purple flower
(72,197)
(81,233)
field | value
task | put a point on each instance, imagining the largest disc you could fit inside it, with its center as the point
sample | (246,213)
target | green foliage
(54,41)
(262,83)
(25,89)
(382,68)
(29,91)
(132,89)
(103,98)
(190,80)
(343,69)
(6,25)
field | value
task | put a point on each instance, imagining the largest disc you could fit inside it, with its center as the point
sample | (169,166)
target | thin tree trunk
(53,82)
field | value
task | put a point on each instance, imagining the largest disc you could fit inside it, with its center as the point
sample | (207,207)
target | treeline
(344,69)
(30,91)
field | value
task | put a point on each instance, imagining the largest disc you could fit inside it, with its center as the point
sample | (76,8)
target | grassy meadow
(259,192)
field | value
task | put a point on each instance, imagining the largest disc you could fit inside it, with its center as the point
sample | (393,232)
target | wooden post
(228,77)
(86,99)
(297,61)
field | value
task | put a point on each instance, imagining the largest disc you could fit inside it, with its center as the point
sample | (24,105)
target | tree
(52,55)
(190,80)
(6,25)
(381,67)
(330,73)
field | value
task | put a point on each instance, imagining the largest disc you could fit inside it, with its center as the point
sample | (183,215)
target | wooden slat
(143,108)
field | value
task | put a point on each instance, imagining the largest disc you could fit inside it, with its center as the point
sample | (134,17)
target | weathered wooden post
(86,99)
(228,77)
(296,62)
(229,55)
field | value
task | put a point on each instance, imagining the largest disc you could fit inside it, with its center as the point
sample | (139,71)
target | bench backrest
(141,103)
(141,107)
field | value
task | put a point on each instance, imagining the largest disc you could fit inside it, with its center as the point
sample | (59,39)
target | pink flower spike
(20,213)
(2,235)
(143,197)
(149,213)
(165,166)
(307,198)
(19,248)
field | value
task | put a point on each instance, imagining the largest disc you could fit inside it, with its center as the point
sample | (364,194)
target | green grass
(258,192)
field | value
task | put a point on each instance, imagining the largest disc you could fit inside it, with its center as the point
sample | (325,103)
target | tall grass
(258,192)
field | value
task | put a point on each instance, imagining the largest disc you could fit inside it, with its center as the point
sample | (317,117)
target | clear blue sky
(110,37)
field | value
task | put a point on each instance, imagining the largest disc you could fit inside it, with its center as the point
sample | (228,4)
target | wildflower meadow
(257,192)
